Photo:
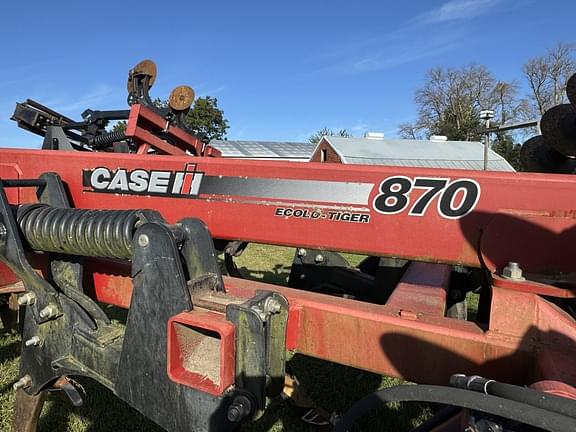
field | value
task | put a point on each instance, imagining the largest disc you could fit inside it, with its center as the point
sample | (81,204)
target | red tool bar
(450,216)
(422,291)
(418,347)
(408,337)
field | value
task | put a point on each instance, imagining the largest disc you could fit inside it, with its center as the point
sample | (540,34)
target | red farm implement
(135,219)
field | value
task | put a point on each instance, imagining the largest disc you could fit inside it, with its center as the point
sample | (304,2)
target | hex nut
(22,383)
(33,341)
(27,299)
(50,311)
(513,272)
(271,305)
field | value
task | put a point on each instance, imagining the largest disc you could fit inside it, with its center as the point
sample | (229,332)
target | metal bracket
(260,345)
(160,292)
(329,272)
(44,301)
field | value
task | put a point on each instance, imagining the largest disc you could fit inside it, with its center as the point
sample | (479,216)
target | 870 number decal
(456,198)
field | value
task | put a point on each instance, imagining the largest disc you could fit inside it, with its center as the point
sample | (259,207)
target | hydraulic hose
(525,395)
(495,405)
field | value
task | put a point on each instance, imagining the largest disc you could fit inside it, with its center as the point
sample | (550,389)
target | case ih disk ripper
(134,219)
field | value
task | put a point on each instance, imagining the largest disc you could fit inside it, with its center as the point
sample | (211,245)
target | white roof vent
(438,138)
(374,135)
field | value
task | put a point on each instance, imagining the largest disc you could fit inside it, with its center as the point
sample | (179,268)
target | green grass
(333,386)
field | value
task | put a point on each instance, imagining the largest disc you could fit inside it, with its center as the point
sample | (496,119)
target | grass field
(333,386)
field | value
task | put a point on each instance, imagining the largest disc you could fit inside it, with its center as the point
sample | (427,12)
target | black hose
(535,398)
(505,408)
(525,395)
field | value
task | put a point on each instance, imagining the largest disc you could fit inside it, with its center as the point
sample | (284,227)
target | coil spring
(108,138)
(100,233)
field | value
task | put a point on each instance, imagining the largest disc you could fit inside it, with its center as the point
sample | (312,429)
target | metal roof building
(295,151)
(410,153)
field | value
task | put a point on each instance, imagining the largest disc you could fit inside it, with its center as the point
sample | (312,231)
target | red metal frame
(142,125)
(528,218)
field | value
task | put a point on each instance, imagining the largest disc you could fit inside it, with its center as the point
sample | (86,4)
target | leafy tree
(547,76)
(504,145)
(120,126)
(206,118)
(464,129)
(450,101)
(315,139)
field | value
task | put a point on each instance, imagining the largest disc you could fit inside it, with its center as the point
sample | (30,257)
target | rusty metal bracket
(260,345)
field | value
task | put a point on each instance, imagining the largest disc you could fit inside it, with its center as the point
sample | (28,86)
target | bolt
(22,383)
(271,305)
(27,299)
(234,413)
(33,341)
(238,409)
(319,258)
(143,240)
(49,311)
(259,311)
(301,252)
(513,271)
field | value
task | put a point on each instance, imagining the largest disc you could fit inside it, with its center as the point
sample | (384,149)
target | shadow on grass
(335,388)
(338,387)
(102,411)
(10,351)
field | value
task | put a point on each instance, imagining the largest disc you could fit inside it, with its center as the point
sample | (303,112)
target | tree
(119,126)
(505,147)
(206,118)
(450,101)
(315,139)
(547,76)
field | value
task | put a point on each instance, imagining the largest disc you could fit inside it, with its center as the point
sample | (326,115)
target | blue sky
(280,70)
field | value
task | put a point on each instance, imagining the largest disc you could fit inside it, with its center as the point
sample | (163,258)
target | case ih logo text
(144,182)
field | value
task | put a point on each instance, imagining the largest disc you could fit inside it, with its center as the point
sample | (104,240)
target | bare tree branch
(547,76)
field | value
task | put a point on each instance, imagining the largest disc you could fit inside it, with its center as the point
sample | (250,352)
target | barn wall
(331,155)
